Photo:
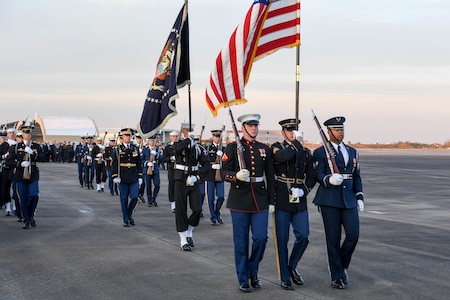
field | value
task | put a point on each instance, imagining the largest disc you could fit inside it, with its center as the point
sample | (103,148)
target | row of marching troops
(263,179)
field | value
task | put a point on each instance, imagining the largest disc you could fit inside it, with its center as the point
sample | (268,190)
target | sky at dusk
(384,65)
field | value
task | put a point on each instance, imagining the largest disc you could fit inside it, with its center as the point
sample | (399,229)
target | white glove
(116,180)
(149,164)
(219,153)
(297,192)
(243,175)
(215,166)
(336,179)
(360,205)
(191,179)
(271,208)
(172,158)
(99,155)
(28,150)
(298,135)
(88,157)
(25,164)
(140,181)
(153,152)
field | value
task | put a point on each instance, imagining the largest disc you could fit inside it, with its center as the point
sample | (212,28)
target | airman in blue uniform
(339,197)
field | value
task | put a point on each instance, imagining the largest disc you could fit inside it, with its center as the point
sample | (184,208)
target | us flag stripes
(267,27)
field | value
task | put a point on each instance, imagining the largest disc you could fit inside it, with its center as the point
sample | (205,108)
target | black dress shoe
(8,213)
(190,241)
(132,222)
(186,247)
(20,220)
(286,285)
(244,288)
(219,219)
(345,278)
(26,226)
(338,284)
(254,282)
(33,223)
(126,224)
(155,204)
(296,278)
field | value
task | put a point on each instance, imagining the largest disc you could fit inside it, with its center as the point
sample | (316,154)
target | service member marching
(99,162)
(79,154)
(113,189)
(169,159)
(127,173)
(214,182)
(191,166)
(294,175)
(251,192)
(150,157)
(7,172)
(24,156)
(339,197)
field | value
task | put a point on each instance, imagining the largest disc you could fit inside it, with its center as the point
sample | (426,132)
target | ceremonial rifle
(217,176)
(328,147)
(240,148)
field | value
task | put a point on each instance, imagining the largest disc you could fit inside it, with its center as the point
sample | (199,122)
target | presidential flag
(172,72)
(267,27)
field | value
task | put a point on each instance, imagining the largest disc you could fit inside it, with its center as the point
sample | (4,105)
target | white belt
(255,179)
(347,176)
(185,168)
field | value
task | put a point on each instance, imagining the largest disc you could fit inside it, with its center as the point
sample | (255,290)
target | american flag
(267,27)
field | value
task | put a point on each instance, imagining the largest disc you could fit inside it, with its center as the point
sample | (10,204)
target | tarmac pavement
(80,250)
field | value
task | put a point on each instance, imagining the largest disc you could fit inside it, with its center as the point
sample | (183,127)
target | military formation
(263,179)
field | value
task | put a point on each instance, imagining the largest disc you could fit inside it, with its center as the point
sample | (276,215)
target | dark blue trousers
(215,189)
(29,197)
(243,223)
(339,256)
(128,190)
(300,227)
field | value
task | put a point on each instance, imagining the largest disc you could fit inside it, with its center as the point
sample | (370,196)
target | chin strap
(253,137)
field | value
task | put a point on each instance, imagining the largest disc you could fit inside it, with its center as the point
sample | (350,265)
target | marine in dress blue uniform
(294,175)
(150,158)
(191,166)
(127,172)
(169,159)
(214,183)
(25,155)
(339,197)
(251,192)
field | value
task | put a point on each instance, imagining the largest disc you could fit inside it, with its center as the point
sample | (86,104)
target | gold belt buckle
(293,199)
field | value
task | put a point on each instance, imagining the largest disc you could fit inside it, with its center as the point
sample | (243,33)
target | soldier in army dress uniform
(339,197)
(294,175)
(23,157)
(127,173)
(251,192)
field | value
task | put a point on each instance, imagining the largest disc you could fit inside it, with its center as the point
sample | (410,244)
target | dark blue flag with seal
(172,72)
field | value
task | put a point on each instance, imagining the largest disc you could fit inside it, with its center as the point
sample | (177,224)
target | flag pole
(297,84)
(189,88)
